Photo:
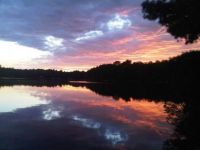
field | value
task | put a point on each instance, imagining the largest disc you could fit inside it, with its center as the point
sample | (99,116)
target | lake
(76,117)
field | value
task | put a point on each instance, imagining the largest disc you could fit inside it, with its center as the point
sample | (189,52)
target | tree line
(179,70)
(183,69)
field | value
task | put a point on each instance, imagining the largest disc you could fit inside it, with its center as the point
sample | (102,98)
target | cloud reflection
(51,114)
(87,122)
(90,116)
(115,136)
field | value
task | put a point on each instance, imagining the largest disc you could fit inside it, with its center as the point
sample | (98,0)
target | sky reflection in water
(75,117)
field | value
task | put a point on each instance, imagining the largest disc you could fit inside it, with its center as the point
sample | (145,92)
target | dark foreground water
(75,118)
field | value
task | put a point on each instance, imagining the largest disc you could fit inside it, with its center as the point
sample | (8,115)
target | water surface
(69,117)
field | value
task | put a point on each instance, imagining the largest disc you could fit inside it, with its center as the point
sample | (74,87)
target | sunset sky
(80,34)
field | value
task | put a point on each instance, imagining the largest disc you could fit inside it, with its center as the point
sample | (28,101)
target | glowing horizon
(68,35)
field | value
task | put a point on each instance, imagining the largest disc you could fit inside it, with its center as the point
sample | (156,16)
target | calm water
(68,117)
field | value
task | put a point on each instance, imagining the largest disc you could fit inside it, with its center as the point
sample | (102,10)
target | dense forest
(181,70)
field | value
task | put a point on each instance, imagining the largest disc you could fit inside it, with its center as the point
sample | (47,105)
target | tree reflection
(181,105)
(185,117)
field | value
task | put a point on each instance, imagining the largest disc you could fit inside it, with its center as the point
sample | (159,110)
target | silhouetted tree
(117,63)
(181,17)
(127,62)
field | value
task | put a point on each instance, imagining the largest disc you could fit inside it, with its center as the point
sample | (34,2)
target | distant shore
(178,72)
